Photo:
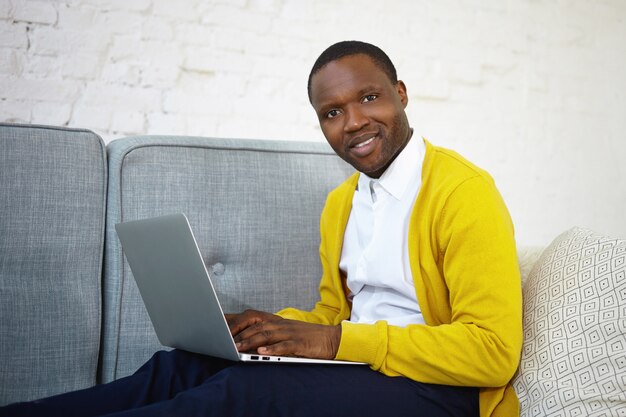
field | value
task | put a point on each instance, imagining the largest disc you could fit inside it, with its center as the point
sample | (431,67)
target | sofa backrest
(254,207)
(52,215)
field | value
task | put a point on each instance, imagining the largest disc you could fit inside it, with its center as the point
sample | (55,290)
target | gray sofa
(71,316)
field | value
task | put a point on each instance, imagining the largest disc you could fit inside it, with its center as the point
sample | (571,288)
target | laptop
(178,293)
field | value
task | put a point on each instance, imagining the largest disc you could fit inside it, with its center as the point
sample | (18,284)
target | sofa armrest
(52,200)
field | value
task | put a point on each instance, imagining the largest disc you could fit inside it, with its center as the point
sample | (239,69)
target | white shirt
(375,253)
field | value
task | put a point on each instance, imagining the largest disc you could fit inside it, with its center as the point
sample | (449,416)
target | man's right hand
(240,322)
(269,334)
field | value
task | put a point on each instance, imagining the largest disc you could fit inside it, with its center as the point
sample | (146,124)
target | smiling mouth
(367,142)
(366,147)
(364,139)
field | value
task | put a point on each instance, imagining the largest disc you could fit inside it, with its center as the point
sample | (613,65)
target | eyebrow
(368,88)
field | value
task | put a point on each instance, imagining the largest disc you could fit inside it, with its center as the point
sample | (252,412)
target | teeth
(364,143)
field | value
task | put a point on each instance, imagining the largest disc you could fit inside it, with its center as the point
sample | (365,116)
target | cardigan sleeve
(472,302)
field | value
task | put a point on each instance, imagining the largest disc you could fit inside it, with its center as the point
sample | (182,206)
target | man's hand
(269,334)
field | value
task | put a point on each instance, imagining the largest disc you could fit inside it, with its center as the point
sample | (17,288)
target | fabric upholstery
(574,353)
(254,207)
(52,205)
(527,257)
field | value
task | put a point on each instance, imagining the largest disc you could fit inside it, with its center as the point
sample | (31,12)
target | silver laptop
(177,290)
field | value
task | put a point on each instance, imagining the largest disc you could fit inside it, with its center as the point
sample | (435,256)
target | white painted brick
(195,34)
(189,102)
(118,22)
(77,18)
(500,58)
(52,113)
(121,97)
(268,44)
(494,29)
(266,87)
(431,88)
(461,95)
(160,75)
(294,10)
(91,117)
(159,52)
(44,90)
(270,7)
(212,60)
(208,125)
(249,108)
(11,62)
(537,81)
(42,67)
(237,40)
(165,124)
(466,73)
(158,28)
(81,67)
(121,73)
(204,59)
(159,64)
(487,78)
(143,99)
(124,48)
(55,41)
(129,5)
(212,84)
(235,18)
(76,3)
(13,35)
(205,6)
(254,128)
(33,11)
(127,122)
(174,9)
(5,9)
(303,31)
(279,66)
(15,111)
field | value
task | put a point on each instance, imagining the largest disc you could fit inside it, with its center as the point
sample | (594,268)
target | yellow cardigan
(464,265)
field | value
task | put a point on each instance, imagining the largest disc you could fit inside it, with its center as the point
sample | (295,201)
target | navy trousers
(179,383)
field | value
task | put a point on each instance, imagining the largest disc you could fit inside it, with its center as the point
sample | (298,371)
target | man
(420,280)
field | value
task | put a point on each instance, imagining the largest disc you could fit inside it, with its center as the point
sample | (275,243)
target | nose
(355,119)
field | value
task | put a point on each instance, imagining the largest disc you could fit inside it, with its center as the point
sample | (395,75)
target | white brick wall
(534,91)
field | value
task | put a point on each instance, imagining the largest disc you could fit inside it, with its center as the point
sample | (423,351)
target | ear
(401,89)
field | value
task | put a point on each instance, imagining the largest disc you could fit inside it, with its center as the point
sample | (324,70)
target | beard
(392,142)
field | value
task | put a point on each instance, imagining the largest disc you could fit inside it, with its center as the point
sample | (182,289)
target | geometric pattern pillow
(574,353)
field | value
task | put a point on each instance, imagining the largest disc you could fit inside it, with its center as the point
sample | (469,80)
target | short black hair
(349,48)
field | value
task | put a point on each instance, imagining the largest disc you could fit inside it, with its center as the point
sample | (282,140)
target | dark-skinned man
(420,281)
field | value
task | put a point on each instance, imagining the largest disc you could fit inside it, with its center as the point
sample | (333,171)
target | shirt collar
(403,171)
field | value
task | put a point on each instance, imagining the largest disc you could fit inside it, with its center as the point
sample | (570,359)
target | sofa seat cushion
(574,353)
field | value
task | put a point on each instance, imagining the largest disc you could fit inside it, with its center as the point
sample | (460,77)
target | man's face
(361,112)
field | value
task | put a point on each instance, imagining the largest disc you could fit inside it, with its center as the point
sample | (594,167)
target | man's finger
(239,322)
(260,334)
(236,322)
(285,348)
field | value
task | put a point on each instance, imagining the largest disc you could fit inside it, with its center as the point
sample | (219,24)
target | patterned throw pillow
(574,353)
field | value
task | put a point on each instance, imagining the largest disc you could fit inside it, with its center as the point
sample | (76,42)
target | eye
(369,97)
(332,113)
